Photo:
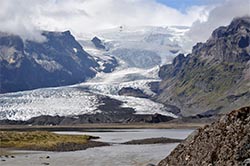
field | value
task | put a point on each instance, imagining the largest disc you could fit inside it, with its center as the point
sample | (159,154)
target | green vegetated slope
(215,77)
(43,140)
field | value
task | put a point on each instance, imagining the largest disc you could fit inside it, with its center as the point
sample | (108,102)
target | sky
(28,17)
(182,5)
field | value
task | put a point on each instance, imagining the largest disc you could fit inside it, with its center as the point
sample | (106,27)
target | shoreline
(150,141)
(96,126)
(90,144)
(11,156)
(99,128)
(46,141)
(60,148)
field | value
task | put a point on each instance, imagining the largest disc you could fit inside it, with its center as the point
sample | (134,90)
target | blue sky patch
(182,5)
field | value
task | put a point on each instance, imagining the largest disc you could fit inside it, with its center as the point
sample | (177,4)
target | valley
(124,83)
(87,97)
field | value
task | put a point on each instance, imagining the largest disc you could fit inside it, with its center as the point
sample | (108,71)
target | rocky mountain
(146,46)
(98,43)
(60,60)
(215,77)
(100,52)
(225,142)
(115,75)
(128,91)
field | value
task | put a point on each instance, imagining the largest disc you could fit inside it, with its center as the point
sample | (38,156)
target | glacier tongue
(143,106)
(83,98)
(63,101)
(127,49)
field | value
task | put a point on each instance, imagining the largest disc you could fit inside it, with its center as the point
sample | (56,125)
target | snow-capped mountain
(57,61)
(142,47)
(127,57)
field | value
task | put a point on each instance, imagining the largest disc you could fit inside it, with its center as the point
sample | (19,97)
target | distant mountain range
(215,77)
(60,60)
(140,47)
(115,77)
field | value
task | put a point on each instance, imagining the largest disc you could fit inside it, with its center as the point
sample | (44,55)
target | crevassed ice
(143,106)
(70,100)
(47,101)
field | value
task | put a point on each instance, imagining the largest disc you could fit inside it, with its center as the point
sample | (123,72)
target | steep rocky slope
(60,60)
(215,76)
(225,143)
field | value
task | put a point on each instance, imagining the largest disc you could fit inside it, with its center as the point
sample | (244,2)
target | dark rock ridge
(225,143)
(86,119)
(128,91)
(161,140)
(95,118)
(215,77)
(98,43)
(135,92)
(111,112)
(109,65)
(60,60)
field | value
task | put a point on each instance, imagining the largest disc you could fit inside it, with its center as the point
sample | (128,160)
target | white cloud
(16,18)
(221,15)
(27,17)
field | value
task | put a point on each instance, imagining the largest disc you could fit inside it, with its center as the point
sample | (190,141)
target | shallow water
(115,155)
(124,135)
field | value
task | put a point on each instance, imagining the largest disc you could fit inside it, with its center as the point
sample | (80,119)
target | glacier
(128,47)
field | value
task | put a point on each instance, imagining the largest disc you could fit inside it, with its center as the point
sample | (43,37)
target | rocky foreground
(225,143)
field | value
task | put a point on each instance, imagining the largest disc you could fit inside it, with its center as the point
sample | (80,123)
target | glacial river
(115,155)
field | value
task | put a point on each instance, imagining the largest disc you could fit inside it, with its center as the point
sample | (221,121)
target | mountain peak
(98,43)
(240,22)
(219,46)
(215,68)
(59,61)
(66,32)
(238,25)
